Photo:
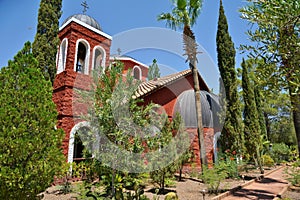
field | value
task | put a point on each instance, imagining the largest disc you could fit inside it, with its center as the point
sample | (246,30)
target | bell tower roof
(85,19)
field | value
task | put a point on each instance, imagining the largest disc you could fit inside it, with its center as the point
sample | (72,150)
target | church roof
(85,19)
(152,85)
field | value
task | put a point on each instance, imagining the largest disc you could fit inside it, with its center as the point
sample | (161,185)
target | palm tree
(184,16)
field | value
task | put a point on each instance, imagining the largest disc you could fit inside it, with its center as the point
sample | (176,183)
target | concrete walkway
(271,186)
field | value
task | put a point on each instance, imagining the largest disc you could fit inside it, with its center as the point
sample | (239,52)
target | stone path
(271,186)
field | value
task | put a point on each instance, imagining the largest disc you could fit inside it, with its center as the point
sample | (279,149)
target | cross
(85,7)
(119,51)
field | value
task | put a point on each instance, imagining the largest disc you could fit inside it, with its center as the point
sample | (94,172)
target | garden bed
(188,189)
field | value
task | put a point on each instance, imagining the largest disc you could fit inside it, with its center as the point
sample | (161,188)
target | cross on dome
(85,7)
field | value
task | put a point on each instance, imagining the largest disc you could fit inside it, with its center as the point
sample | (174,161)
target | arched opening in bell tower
(82,57)
(99,58)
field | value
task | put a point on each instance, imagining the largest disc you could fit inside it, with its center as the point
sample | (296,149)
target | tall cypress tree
(232,134)
(46,40)
(251,119)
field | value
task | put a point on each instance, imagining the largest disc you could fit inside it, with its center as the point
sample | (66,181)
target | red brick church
(84,46)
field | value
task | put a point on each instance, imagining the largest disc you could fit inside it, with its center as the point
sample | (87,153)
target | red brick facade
(66,81)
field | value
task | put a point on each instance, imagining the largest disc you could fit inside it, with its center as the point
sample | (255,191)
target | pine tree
(232,134)
(153,71)
(251,120)
(30,146)
(274,35)
(46,39)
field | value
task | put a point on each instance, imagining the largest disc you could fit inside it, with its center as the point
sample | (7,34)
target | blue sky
(19,20)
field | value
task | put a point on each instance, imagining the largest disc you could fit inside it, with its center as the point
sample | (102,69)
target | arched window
(62,56)
(82,57)
(137,72)
(99,57)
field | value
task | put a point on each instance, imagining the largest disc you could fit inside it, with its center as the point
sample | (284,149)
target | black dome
(186,107)
(85,19)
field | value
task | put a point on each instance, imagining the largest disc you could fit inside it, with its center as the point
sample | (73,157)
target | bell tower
(84,47)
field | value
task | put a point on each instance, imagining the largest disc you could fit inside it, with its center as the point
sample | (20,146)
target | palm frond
(171,21)
(194,10)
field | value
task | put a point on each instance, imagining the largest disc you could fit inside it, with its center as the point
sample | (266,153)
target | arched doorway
(76,149)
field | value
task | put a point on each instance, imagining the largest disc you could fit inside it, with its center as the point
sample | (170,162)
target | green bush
(230,168)
(294,173)
(212,178)
(30,153)
(267,160)
(228,164)
(280,152)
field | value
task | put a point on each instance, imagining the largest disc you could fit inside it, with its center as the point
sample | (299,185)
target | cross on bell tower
(85,7)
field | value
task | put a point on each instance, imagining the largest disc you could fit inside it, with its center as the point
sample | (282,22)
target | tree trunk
(267,121)
(295,101)
(190,47)
(199,114)
(259,160)
(113,191)
(163,184)
(180,174)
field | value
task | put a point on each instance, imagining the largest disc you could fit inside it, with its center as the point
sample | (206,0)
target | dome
(85,19)
(185,105)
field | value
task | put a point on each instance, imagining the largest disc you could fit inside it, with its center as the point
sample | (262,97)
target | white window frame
(62,62)
(103,53)
(87,56)
(140,72)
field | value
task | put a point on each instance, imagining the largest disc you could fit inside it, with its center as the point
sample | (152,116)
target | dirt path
(268,187)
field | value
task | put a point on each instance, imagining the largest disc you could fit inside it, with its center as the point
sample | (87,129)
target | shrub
(228,164)
(280,152)
(30,153)
(212,178)
(294,173)
(267,160)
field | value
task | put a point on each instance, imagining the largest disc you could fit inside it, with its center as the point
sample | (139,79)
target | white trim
(86,26)
(129,59)
(87,56)
(140,71)
(103,52)
(61,66)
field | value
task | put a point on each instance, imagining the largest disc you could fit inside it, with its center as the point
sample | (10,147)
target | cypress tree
(232,134)
(46,40)
(261,118)
(153,71)
(251,120)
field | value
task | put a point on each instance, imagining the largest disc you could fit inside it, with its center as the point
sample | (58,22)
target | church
(84,46)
